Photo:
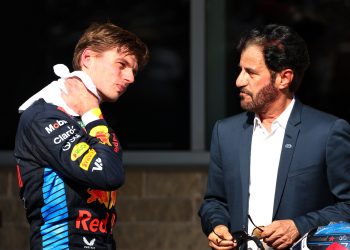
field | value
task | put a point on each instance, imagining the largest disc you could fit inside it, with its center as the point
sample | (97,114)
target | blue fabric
(55,229)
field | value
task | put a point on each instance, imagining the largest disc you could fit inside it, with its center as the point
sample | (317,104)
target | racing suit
(68,174)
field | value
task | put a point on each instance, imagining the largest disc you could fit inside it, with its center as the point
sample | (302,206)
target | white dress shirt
(264,161)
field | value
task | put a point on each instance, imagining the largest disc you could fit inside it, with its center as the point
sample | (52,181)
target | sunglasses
(242,236)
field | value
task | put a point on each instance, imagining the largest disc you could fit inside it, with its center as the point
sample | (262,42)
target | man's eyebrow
(128,64)
(124,61)
(250,70)
(247,69)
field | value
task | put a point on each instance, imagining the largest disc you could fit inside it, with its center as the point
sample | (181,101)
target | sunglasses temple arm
(257,242)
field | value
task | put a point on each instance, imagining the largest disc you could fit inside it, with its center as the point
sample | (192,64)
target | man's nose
(128,76)
(241,81)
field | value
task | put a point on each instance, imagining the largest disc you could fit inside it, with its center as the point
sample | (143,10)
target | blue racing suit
(68,174)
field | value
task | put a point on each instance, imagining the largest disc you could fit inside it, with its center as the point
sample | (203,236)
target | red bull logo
(107,198)
(101,132)
(115,143)
(86,222)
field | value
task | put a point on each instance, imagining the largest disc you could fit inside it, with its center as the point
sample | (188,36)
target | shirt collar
(281,120)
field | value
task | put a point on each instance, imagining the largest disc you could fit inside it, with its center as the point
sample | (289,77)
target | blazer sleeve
(337,159)
(213,210)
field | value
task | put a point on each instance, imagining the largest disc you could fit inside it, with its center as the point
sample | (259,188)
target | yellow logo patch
(101,132)
(85,163)
(78,150)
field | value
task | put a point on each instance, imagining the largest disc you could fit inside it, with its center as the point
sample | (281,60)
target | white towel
(52,92)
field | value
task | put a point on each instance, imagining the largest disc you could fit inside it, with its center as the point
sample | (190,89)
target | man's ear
(285,78)
(86,58)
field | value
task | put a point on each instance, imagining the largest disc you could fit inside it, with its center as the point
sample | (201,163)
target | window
(325,27)
(155,115)
(167,116)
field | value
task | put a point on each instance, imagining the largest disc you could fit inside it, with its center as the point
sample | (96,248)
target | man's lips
(121,89)
(243,94)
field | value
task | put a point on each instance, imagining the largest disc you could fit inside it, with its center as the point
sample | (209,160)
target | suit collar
(295,116)
(288,147)
(249,120)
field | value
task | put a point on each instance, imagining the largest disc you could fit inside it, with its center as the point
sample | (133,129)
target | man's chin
(111,98)
(244,104)
(247,106)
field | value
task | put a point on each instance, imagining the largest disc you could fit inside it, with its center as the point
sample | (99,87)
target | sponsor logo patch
(85,163)
(89,244)
(107,198)
(78,150)
(54,126)
(98,165)
(115,143)
(62,137)
(101,132)
(86,222)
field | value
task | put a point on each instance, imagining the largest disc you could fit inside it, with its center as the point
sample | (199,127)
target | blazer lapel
(288,146)
(244,160)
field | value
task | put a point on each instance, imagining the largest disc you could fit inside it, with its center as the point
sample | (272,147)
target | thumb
(227,235)
(223,232)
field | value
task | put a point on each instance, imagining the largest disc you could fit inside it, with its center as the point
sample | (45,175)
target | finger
(279,245)
(270,240)
(257,232)
(273,237)
(68,86)
(223,233)
(268,232)
(64,94)
(227,236)
(279,242)
(218,241)
(284,241)
(74,82)
(221,246)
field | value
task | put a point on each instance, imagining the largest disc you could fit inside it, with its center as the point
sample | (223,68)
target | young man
(69,161)
(283,164)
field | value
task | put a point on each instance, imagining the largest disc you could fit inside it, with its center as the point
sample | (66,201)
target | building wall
(157,209)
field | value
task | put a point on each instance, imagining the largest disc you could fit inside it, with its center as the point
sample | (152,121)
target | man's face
(112,72)
(257,88)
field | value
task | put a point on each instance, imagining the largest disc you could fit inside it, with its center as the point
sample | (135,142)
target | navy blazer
(313,181)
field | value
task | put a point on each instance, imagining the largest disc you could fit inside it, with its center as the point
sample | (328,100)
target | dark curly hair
(283,49)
